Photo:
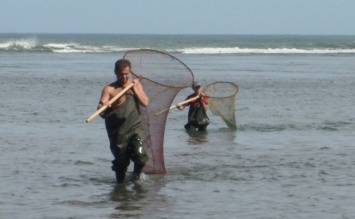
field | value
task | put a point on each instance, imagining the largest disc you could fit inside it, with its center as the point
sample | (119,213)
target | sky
(288,17)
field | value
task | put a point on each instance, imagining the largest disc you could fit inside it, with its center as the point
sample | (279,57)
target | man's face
(197,89)
(123,76)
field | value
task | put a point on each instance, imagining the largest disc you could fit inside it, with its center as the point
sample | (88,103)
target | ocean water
(292,156)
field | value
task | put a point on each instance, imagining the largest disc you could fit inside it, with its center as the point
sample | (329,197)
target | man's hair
(121,64)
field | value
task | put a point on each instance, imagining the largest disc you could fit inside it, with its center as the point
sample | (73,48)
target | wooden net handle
(181,103)
(110,102)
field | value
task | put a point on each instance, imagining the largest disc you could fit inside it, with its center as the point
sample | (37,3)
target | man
(197,117)
(123,121)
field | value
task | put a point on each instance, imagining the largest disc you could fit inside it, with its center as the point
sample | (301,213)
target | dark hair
(121,64)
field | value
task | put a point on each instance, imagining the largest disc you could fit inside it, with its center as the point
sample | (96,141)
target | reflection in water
(137,199)
(226,134)
(127,195)
(215,137)
(197,137)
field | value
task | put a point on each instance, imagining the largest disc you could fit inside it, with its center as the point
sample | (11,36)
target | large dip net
(162,76)
(222,96)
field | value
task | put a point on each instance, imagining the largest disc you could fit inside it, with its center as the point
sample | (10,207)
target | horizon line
(175,34)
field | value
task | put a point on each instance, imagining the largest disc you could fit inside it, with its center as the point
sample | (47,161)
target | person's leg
(121,161)
(139,155)
(202,128)
(120,170)
(137,171)
(189,127)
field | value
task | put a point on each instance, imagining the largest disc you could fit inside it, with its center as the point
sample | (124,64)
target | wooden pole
(181,103)
(110,102)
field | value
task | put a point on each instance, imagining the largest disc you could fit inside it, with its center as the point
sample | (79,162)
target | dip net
(221,101)
(162,76)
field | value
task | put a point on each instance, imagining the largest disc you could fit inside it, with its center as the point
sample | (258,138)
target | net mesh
(222,97)
(162,76)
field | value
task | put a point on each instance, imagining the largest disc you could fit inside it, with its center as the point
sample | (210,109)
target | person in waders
(123,121)
(197,118)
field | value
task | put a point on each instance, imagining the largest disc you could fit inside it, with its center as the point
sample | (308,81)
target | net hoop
(131,56)
(222,101)
(221,89)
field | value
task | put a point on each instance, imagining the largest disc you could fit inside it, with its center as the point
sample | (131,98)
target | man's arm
(204,101)
(182,106)
(105,97)
(139,92)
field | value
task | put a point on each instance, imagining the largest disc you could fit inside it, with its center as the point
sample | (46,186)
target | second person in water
(197,118)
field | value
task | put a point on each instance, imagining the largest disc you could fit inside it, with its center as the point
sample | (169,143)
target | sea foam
(19,44)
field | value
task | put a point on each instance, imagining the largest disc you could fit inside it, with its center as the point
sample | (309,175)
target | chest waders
(197,118)
(124,129)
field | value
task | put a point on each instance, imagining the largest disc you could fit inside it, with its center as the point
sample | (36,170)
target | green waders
(124,129)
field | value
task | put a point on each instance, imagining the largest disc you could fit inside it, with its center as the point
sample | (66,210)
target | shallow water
(292,156)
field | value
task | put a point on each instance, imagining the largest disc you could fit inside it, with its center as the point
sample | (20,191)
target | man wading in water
(123,121)
(197,117)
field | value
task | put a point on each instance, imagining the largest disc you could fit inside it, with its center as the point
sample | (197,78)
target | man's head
(195,85)
(122,70)
(122,64)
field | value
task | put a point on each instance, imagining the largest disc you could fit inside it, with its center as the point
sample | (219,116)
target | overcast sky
(325,17)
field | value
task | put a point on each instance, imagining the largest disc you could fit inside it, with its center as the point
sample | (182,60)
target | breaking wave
(85,44)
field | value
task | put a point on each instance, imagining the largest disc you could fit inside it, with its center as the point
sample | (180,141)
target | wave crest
(19,44)
(62,45)
(32,45)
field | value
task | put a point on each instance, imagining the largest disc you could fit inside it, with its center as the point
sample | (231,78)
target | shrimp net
(221,101)
(162,76)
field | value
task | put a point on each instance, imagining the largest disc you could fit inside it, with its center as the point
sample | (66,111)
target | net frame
(222,98)
(159,73)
